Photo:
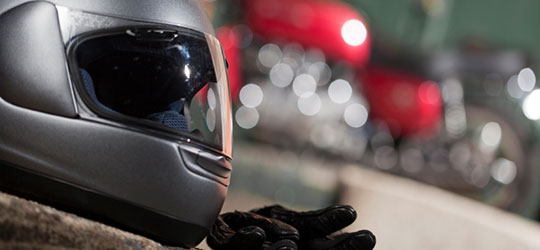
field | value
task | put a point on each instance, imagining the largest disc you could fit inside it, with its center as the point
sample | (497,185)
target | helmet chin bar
(87,165)
(99,207)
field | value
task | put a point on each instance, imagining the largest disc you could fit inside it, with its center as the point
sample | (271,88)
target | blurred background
(423,114)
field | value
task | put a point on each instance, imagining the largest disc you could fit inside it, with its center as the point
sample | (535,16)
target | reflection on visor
(140,75)
(165,76)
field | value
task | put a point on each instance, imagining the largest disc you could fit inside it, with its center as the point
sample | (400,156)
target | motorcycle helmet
(117,110)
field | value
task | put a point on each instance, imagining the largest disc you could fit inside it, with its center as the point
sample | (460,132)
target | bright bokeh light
(513,88)
(246,117)
(340,91)
(321,72)
(354,32)
(355,115)
(309,104)
(251,95)
(269,55)
(211,97)
(531,105)
(491,134)
(526,79)
(281,75)
(304,84)
(455,120)
(452,91)
(504,171)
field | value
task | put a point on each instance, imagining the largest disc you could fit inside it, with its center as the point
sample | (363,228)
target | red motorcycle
(311,84)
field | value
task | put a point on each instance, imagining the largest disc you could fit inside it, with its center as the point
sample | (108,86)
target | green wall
(448,23)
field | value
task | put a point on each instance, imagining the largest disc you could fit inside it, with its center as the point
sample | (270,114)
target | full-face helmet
(118,110)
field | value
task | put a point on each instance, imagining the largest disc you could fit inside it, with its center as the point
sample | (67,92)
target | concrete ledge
(407,215)
(29,225)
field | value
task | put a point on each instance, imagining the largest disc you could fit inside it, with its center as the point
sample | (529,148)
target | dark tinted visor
(172,78)
(146,71)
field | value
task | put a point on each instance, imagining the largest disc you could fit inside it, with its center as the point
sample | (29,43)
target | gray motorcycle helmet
(117,110)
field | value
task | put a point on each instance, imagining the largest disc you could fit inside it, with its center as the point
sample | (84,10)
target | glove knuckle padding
(274,229)
(313,224)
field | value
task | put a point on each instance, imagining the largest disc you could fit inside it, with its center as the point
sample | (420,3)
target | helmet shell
(152,184)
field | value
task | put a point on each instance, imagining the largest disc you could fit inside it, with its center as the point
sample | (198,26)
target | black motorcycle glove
(315,226)
(250,231)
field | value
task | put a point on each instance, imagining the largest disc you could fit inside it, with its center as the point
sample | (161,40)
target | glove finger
(222,237)
(361,240)
(280,245)
(312,224)
(275,230)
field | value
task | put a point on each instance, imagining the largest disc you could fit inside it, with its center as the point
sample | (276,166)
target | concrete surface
(408,215)
(29,225)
